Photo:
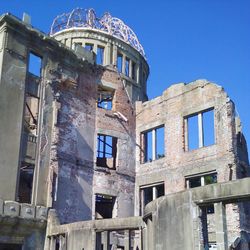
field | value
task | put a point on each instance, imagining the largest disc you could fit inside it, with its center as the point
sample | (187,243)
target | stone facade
(75,140)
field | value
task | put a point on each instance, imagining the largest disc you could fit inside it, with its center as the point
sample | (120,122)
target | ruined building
(87,162)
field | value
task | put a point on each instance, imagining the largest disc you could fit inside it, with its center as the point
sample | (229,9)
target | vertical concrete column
(187,184)
(154,193)
(153,144)
(114,55)
(106,240)
(202,181)
(221,226)
(200,126)
(142,201)
(107,54)
(95,48)
(127,240)
(123,63)
(150,235)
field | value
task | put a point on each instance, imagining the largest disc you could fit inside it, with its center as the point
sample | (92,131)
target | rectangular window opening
(105,100)
(150,193)
(119,62)
(127,67)
(100,55)
(35,64)
(200,130)
(89,46)
(25,183)
(106,151)
(201,180)
(133,71)
(152,144)
(104,205)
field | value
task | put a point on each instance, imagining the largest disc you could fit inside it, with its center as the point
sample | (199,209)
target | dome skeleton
(86,18)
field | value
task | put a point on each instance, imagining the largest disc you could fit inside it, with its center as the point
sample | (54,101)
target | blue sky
(184,40)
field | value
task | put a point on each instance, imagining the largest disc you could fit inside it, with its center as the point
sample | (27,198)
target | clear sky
(184,40)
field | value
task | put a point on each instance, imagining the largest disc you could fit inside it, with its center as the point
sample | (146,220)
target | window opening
(25,183)
(105,100)
(106,151)
(100,55)
(35,64)
(127,66)
(104,205)
(89,46)
(202,180)
(148,194)
(200,130)
(119,62)
(152,144)
(133,71)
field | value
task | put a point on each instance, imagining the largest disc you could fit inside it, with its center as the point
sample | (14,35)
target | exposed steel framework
(86,18)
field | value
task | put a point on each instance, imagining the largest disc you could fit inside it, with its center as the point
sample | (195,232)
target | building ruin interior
(88,162)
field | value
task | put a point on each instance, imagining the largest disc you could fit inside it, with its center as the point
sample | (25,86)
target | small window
(200,130)
(25,183)
(119,62)
(106,151)
(133,71)
(127,67)
(89,46)
(201,180)
(104,205)
(100,55)
(152,144)
(105,100)
(150,193)
(35,64)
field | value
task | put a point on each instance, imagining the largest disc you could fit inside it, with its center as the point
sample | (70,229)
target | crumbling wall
(178,102)
(118,182)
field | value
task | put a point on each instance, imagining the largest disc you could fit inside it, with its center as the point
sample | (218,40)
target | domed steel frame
(86,18)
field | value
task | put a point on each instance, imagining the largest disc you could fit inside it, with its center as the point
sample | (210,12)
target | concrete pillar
(154,193)
(187,184)
(200,126)
(95,48)
(150,236)
(153,144)
(107,54)
(221,226)
(114,55)
(106,240)
(127,240)
(142,202)
(202,181)
(123,64)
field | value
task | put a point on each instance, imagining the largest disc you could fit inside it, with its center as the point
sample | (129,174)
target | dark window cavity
(150,193)
(104,205)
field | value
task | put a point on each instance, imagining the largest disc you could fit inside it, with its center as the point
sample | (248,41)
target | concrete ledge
(41,212)
(11,208)
(27,211)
